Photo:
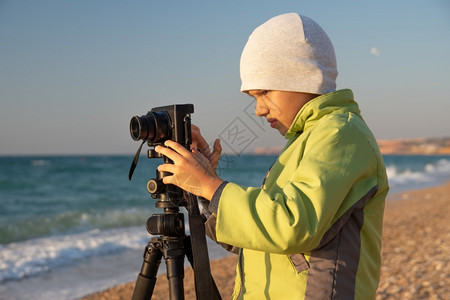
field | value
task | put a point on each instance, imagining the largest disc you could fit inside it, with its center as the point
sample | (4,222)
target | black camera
(172,122)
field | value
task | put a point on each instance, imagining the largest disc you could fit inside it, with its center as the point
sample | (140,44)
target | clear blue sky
(73,73)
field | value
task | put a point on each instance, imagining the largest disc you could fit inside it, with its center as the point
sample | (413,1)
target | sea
(74,225)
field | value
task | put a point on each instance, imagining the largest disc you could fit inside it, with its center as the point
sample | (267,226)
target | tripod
(173,244)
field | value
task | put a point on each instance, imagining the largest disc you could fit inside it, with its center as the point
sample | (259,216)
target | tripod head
(166,195)
(169,197)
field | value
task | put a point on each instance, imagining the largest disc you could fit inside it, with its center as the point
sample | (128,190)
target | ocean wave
(402,177)
(69,222)
(36,256)
(39,162)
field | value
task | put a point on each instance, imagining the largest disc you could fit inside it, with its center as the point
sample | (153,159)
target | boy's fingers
(169,179)
(198,141)
(167,168)
(202,146)
(177,147)
(216,151)
(217,146)
(173,155)
(195,127)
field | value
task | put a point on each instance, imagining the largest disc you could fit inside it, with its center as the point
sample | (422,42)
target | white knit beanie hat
(289,53)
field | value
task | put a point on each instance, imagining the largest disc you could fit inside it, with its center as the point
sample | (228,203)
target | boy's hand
(191,170)
(199,143)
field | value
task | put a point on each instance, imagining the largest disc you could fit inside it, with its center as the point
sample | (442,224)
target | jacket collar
(336,102)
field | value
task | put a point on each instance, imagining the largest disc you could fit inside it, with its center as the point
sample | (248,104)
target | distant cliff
(275,150)
(416,146)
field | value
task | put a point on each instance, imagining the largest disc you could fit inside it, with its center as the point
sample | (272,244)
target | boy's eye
(258,93)
(262,93)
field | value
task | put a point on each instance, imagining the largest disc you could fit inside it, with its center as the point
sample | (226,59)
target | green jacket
(313,230)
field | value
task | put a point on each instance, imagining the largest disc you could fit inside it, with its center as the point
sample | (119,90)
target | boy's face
(279,107)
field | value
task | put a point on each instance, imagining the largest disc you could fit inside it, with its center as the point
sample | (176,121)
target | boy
(313,230)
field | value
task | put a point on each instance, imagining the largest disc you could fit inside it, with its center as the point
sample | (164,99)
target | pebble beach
(415,253)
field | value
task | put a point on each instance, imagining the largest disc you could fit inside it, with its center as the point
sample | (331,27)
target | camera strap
(204,283)
(135,161)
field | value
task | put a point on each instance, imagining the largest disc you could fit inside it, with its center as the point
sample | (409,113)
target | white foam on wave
(32,257)
(430,174)
(399,177)
(88,275)
(39,162)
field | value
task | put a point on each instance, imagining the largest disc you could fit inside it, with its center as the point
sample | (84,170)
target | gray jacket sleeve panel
(210,211)
(210,230)
(214,204)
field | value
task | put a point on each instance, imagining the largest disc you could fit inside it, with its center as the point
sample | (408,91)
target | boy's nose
(261,110)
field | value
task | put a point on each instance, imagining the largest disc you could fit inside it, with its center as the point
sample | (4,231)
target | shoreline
(415,261)
(222,270)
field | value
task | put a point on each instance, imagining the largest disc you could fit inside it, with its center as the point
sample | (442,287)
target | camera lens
(152,127)
(135,128)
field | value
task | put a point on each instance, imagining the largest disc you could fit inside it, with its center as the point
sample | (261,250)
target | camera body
(171,122)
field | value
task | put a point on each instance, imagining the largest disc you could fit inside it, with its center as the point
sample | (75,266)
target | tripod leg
(174,257)
(146,280)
